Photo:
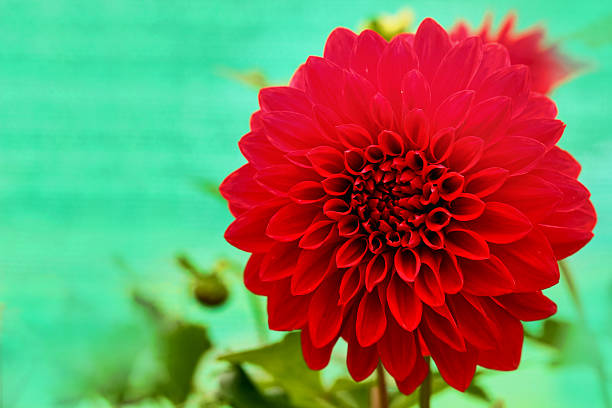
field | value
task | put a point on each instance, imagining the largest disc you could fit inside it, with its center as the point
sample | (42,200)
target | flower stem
(599,368)
(259,317)
(425,390)
(379,398)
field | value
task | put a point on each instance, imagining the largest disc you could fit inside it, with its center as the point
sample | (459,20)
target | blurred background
(119,119)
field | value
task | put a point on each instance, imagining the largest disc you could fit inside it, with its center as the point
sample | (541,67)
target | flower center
(398,200)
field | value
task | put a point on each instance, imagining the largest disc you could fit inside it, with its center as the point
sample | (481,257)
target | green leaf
(180,346)
(477,391)
(237,389)
(210,188)
(284,362)
(390,25)
(554,333)
(253,78)
(351,393)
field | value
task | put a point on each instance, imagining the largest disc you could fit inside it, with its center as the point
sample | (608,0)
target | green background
(112,111)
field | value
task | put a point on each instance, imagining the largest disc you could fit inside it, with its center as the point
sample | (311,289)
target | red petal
(285,311)
(279,262)
(466,153)
(324,313)
(512,81)
(427,286)
(574,193)
(539,106)
(515,153)
(397,59)
(451,185)
(532,195)
(494,57)
(398,352)
(291,221)
(545,131)
(339,46)
(241,192)
(391,143)
(366,54)
(457,68)
(488,277)
(528,306)
(289,131)
(319,233)
(415,91)
(336,209)
(501,223)
(324,82)
(381,111)
(284,98)
(371,320)
(531,261)
(348,226)
(298,80)
(377,270)
(326,160)
(403,303)
(443,328)
(488,119)
(567,232)
(583,218)
(561,161)
(312,267)
(337,185)
(442,144)
(466,244)
(416,128)
(247,232)
(507,355)
(456,368)
(361,361)
(352,282)
(437,218)
(431,43)
(257,149)
(415,378)
(351,252)
(473,324)
(566,241)
(251,276)
(315,358)
(407,264)
(466,207)
(486,181)
(279,179)
(358,93)
(307,192)
(352,135)
(451,277)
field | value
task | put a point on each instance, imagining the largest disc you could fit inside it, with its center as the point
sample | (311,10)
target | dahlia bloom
(547,65)
(407,196)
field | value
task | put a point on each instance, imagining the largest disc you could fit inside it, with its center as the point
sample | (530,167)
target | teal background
(111,111)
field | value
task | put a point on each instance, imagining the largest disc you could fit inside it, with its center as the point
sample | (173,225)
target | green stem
(425,390)
(382,399)
(259,317)
(597,362)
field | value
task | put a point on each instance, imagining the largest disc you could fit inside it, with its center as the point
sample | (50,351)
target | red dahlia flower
(408,197)
(547,66)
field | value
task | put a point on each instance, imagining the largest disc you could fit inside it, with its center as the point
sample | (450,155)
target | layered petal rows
(409,197)
(547,65)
